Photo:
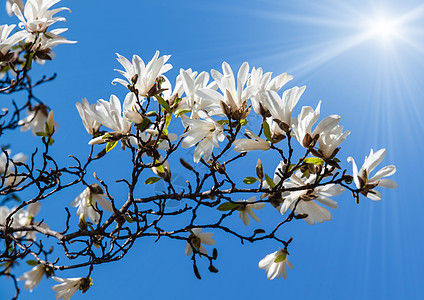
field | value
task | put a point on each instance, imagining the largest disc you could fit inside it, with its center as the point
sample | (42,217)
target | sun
(385,28)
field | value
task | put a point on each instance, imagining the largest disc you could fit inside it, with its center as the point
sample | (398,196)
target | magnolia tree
(208,112)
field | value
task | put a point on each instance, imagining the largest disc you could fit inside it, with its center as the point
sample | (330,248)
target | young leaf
(181,111)
(313,161)
(280,258)
(151,180)
(164,103)
(111,145)
(269,181)
(250,180)
(267,131)
(227,206)
(32,262)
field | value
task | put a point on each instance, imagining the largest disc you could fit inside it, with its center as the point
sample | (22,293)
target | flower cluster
(215,112)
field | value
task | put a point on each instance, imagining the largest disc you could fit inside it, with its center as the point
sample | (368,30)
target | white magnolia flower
(36,16)
(6,41)
(275,264)
(304,200)
(190,84)
(196,239)
(68,286)
(87,206)
(110,115)
(329,140)
(363,179)
(25,217)
(330,135)
(7,169)
(254,143)
(205,132)
(234,94)
(4,212)
(282,108)
(47,40)
(33,277)
(86,111)
(36,120)
(144,76)
(264,83)
(9,4)
(246,210)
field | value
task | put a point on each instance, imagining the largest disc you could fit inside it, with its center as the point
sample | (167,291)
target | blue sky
(374,82)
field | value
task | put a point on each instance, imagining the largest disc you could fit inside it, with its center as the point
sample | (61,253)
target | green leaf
(313,161)
(269,181)
(222,122)
(111,145)
(250,180)
(280,258)
(41,133)
(243,122)
(151,180)
(167,122)
(28,66)
(267,131)
(51,141)
(107,135)
(336,160)
(227,206)
(32,262)
(181,111)
(159,168)
(164,103)
(144,124)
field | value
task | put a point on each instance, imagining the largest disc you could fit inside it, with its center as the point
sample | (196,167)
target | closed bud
(259,169)
(196,271)
(307,140)
(186,165)
(134,79)
(213,269)
(214,253)
(225,108)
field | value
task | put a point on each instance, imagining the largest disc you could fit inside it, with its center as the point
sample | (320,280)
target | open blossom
(36,16)
(86,111)
(196,239)
(87,203)
(7,41)
(305,201)
(33,277)
(142,76)
(275,264)
(7,169)
(205,132)
(46,41)
(254,143)
(25,217)
(36,120)
(246,210)
(329,140)
(363,179)
(68,286)
(264,83)
(110,115)
(9,4)
(234,94)
(282,108)
(190,84)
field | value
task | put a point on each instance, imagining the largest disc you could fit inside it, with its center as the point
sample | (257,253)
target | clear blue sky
(368,251)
